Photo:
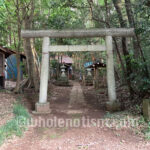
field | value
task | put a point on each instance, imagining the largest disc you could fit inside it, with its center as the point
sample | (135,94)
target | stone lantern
(89,72)
(62,80)
(89,77)
(63,71)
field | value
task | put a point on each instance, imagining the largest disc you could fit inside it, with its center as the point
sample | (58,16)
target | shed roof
(96,64)
(8,52)
(65,59)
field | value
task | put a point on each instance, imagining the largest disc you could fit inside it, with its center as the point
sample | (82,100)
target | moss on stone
(113,106)
(146,109)
(88,80)
(62,81)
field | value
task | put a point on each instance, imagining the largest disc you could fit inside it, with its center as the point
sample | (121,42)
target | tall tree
(117,4)
(136,40)
(29,48)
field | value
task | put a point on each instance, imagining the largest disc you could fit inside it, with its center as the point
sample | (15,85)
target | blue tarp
(12,68)
(87,64)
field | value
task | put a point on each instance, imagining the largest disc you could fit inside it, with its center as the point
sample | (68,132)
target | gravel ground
(74,138)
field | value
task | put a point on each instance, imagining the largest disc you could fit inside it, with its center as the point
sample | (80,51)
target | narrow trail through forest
(71,103)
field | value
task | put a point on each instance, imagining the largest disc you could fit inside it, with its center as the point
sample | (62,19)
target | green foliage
(54,63)
(147,132)
(17,125)
(141,121)
(145,127)
(88,80)
(139,78)
(102,72)
(19,110)
(58,15)
(62,81)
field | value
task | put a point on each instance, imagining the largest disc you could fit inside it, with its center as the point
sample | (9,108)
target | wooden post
(110,70)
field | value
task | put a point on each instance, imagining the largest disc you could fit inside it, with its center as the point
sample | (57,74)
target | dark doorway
(2,79)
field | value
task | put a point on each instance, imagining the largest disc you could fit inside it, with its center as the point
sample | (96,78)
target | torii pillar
(43,107)
(113,104)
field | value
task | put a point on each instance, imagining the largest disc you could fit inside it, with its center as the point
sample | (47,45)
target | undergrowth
(142,127)
(15,126)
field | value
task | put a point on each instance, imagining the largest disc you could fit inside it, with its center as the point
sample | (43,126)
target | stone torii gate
(43,106)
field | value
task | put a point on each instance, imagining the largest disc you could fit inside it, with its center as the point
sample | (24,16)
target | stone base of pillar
(113,106)
(146,109)
(42,108)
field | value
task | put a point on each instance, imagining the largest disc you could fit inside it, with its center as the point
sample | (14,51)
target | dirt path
(62,137)
(76,95)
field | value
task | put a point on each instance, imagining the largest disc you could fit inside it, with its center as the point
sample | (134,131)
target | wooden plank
(79,33)
(76,48)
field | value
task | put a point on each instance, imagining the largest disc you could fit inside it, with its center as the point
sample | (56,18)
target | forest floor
(79,105)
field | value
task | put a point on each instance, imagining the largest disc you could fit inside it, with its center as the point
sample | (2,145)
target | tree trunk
(31,56)
(124,46)
(32,65)
(132,24)
(18,46)
(18,74)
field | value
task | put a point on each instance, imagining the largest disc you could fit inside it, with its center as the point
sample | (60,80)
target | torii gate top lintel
(79,33)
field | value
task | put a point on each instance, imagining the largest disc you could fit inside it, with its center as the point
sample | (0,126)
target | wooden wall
(2,70)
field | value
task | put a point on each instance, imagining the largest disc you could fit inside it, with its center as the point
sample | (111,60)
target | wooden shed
(4,53)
